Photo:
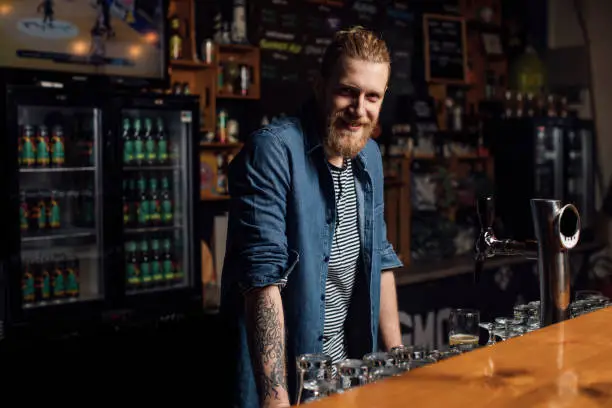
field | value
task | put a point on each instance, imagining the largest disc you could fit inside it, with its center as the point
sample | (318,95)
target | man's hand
(266,333)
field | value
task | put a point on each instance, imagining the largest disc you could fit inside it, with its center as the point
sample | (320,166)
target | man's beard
(343,142)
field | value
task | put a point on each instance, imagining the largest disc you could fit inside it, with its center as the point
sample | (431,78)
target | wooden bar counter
(563,365)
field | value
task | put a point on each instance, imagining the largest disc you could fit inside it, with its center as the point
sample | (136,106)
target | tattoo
(267,346)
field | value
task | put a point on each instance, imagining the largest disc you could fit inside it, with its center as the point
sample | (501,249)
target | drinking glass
(351,373)
(378,359)
(315,376)
(380,365)
(521,312)
(587,294)
(489,327)
(464,329)
(401,356)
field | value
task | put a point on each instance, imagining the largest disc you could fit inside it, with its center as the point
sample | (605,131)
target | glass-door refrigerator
(100,215)
(157,149)
(54,224)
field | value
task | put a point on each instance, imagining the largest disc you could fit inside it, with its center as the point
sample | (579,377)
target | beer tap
(557,229)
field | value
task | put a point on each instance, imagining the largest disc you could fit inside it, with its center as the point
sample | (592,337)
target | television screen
(83,37)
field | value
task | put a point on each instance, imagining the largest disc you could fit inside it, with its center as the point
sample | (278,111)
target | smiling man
(307,268)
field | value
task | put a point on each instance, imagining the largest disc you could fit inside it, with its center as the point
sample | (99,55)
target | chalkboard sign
(445,49)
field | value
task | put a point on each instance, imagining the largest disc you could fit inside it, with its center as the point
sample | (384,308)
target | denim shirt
(280,230)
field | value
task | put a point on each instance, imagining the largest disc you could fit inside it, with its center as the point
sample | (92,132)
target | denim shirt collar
(312,140)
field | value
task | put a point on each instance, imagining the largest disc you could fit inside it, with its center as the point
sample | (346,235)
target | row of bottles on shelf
(234,78)
(41,210)
(146,145)
(517,104)
(147,203)
(46,280)
(153,262)
(40,149)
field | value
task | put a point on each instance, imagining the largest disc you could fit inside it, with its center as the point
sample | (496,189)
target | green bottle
(150,148)
(139,151)
(42,147)
(167,262)
(145,263)
(28,156)
(156,266)
(154,203)
(166,202)
(132,269)
(57,147)
(162,143)
(143,211)
(128,143)
(54,211)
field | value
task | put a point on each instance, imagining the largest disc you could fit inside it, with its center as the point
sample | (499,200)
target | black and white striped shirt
(343,262)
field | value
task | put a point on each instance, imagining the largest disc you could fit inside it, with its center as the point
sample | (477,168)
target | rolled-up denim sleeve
(388,256)
(259,182)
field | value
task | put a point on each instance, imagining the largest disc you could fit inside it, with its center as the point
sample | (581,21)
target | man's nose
(358,106)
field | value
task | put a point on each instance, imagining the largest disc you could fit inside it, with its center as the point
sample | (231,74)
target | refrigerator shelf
(145,168)
(60,234)
(164,288)
(57,302)
(146,230)
(56,169)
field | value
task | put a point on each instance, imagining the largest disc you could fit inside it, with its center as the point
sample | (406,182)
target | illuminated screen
(105,37)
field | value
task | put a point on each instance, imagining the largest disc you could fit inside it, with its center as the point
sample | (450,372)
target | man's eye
(345,91)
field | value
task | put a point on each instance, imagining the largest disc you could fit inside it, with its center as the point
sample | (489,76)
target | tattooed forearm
(267,343)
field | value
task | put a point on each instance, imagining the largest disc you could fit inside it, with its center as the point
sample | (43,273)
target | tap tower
(557,230)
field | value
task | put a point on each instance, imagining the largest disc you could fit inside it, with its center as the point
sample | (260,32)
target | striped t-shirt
(343,262)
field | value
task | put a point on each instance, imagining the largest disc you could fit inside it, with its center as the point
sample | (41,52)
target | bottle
(166,202)
(154,203)
(42,281)
(162,142)
(145,264)
(58,284)
(41,210)
(167,261)
(23,212)
(139,152)
(28,150)
(42,147)
(150,141)
(53,211)
(156,264)
(132,266)
(128,143)
(142,204)
(126,203)
(72,278)
(176,39)
(27,284)
(57,147)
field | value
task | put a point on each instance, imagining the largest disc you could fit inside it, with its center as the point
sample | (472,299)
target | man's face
(352,99)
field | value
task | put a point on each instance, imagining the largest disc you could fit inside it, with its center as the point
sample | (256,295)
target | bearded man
(307,267)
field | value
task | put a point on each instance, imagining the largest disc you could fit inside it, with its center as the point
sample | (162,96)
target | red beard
(340,141)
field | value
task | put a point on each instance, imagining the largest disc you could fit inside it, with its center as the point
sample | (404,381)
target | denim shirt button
(326,259)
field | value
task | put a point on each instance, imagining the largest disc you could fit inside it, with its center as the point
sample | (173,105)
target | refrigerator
(101,211)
